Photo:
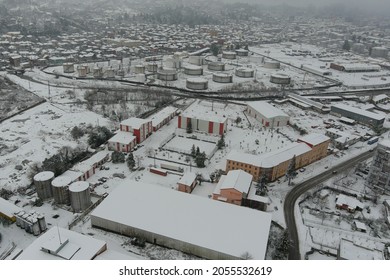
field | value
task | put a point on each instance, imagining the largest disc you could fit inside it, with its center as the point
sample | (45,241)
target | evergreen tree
(118,157)
(130,161)
(290,173)
(200,159)
(193,151)
(189,127)
(262,185)
(221,142)
(76,132)
(197,151)
(346,45)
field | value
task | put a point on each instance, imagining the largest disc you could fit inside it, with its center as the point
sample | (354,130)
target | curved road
(298,190)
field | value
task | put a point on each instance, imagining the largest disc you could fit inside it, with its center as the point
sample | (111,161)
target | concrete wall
(158,239)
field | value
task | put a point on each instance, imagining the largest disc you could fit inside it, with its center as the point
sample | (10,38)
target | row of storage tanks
(97,72)
(63,190)
(32,222)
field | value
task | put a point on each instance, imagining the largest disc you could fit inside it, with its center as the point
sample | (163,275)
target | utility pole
(48,86)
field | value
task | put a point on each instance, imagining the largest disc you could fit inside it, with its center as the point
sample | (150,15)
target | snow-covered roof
(359,111)
(79,186)
(271,159)
(352,203)
(188,218)
(187,179)
(266,109)
(77,247)
(44,176)
(314,139)
(73,175)
(7,208)
(380,97)
(361,67)
(122,137)
(87,164)
(235,179)
(61,181)
(351,251)
(162,114)
(204,116)
(360,225)
(134,123)
(385,143)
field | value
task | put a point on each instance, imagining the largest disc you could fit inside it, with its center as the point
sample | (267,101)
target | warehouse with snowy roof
(267,114)
(191,224)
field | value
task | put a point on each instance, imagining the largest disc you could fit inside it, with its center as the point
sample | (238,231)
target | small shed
(187,182)
(359,226)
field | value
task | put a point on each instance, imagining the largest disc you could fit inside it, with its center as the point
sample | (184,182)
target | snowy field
(186,144)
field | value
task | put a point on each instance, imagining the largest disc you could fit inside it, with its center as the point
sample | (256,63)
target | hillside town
(144,130)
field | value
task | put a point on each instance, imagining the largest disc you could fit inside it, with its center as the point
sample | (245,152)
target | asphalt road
(303,187)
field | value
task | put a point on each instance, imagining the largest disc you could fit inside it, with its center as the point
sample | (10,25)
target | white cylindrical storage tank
(196,60)
(68,67)
(222,78)
(193,70)
(42,183)
(280,79)
(379,52)
(97,72)
(242,52)
(120,73)
(35,226)
(82,71)
(216,66)
(110,73)
(141,78)
(197,83)
(18,218)
(151,67)
(60,187)
(244,72)
(23,220)
(167,74)
(272,64)
(42,222)
(229,55)
(139,69)
(80,197)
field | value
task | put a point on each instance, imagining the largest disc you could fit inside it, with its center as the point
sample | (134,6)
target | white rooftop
(134,123)
(8,208)
(235,179)
(73,175)
(271,159)
(79,186)
(379,97)
(82,247)
(266,109)
(61,181)
(122,137)
(162,114)
(359,111)
(187,179)
(44,176)
(350,201)
(351,251)
(314,139)
(188,218)
(87,164)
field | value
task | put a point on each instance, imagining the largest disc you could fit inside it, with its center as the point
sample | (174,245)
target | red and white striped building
(140,128)
(122,142)
(211,124)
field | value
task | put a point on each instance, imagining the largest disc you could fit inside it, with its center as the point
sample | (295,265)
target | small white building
(187,182)
(267,115)
(210,123)
(162,117)
(122,142)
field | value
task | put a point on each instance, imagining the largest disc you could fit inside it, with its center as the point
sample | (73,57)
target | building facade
(379,175)
(275,164)
(234,187)
(267,115)
(140,128)
(216,126)
(359,115)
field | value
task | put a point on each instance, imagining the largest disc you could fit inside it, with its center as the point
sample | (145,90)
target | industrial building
(209,123)
(68,67)
(62,244)
(341,139)
(353,68)
(267,115)
(163,117)
(187,182)
(272,64)
(32,222)
(355,250)
(274,164)
(88,167)
(140,128)
(8,210)
(359,115)
(191,224)
(122,142)
(379,175)
(233,187)
(379,52)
